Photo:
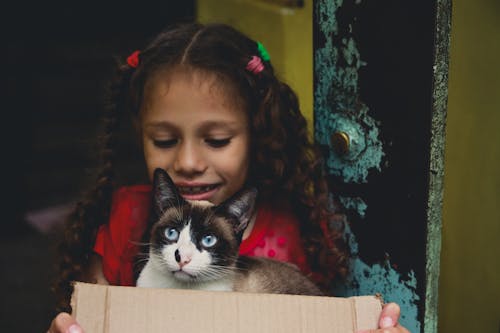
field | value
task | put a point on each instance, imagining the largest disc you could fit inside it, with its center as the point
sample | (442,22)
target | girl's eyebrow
(217,124)
(204,126)
(161,125)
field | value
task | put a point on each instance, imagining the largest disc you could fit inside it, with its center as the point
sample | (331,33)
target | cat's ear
(165,194)
(240,209)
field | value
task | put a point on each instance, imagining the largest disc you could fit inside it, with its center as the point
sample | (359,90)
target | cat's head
(196,240)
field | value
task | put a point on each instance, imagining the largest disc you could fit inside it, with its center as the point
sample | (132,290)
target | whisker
(142,256)
(140,243)
(142,260)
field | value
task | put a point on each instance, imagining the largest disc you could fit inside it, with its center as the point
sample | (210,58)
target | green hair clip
(263,52)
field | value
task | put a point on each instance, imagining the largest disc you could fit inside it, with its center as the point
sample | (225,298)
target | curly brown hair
(284,162)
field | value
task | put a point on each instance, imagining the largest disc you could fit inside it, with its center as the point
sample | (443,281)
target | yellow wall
(469,297)
(285,32)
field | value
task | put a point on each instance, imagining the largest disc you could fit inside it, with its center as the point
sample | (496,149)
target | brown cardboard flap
(111,309)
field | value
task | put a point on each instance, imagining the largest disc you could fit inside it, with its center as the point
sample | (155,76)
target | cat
(195,244)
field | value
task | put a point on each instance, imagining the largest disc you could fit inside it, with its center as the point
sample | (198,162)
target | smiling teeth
(195,189)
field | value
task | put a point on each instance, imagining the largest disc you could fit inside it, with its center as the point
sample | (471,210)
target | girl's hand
(388,322)
(64,323)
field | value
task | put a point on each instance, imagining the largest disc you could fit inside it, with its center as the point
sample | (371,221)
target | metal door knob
(340,142)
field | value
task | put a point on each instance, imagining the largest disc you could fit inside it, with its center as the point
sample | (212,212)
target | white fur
(160,269)
(151,277)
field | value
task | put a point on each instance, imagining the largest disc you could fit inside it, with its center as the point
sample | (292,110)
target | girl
(208,108)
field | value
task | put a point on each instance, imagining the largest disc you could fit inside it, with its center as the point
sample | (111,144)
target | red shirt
(275,234)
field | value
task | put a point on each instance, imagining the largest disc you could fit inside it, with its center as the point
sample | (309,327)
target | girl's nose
(189,159)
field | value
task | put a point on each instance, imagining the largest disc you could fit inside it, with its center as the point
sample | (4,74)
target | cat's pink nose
(181,260)
(184,262)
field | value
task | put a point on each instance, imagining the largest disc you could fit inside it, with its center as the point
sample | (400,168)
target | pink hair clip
(133,59)
(255,65)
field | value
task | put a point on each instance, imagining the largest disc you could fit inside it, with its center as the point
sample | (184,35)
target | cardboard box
(111,309)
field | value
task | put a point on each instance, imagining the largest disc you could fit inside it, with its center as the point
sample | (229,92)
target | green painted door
(380,91)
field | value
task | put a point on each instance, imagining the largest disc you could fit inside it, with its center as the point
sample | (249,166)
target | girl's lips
(202,192)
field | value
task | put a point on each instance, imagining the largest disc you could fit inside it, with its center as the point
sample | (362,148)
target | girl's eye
(218,143)
(172,234)
(165,143)
(208,241)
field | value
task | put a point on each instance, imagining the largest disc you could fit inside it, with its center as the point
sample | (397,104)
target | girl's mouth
(195,189)
(204,192)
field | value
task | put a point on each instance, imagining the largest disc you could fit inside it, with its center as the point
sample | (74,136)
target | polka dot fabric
(275,235)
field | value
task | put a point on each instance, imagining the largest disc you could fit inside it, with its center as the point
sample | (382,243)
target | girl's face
(197,133)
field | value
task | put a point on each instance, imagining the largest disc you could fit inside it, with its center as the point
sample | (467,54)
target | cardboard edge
(74,299)
(366,311)
(107,307)
(91,318)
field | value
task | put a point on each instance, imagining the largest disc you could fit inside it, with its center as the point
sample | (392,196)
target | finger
(389,316)
(64,323)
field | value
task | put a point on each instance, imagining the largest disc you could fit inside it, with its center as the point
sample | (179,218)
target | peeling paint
(436,166)
(337,106)
(354,203)
(381,278)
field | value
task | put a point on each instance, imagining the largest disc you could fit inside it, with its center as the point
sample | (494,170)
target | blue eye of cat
(172,234)
(208,240)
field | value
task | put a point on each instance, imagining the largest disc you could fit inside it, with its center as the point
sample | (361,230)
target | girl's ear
(165,194)
(239,208)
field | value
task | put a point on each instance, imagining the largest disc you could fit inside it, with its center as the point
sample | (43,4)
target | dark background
(397,42)
(59,57)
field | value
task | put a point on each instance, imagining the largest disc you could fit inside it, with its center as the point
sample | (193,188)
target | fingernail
(386,322)
(75,329)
